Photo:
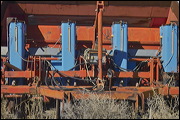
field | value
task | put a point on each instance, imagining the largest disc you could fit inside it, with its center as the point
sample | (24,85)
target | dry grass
(96,108)
(159,108)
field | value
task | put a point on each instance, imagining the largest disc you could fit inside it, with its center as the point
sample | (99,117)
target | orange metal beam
(100,33)
(22,89)
(50,93)
(132,74)
(81,73)
(19,74)
(43,90)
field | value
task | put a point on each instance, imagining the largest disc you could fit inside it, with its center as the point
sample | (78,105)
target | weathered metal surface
(142,53)
(169,51)
(44,51)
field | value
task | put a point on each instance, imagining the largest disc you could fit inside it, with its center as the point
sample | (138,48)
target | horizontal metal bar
(47,58)
(139,59)
(81,73)
(129,93)
(24,89)
(132,74)
(19,74)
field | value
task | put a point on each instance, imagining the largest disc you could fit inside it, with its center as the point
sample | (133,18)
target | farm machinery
(59,49)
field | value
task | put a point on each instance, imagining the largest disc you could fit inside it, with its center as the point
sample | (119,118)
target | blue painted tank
(67,54)
(169,52)
(119,46)
(16,47)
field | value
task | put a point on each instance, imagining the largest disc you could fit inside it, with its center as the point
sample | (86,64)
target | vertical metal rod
(57,109)
(157,72)
(95,26)
(69,38)
(136,104)
(172,41)
(100,44)
(35,65)
(122,37)
(16,38)
(39,71)
(151,72)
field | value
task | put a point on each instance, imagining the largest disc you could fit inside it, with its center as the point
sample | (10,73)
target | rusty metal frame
(136,94)
(128,93)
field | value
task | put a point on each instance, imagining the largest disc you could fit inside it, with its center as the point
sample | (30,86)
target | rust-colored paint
(81,73)
(146,35)
(19,74)
(43,33)
(169,90)
(173,16)
(100,44)
(138,38)
(23,89)
(50,34)
(132,74)
(51,93)
(60,9)
(136,14)
(151,72)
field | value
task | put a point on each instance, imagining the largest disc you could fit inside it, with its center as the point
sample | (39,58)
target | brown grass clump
(98,108)
(159,108)
(4,113)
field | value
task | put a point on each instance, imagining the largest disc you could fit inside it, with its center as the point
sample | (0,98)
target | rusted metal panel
(51,34)
(87,33)
(60,9)
(44,33)
(146,35)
